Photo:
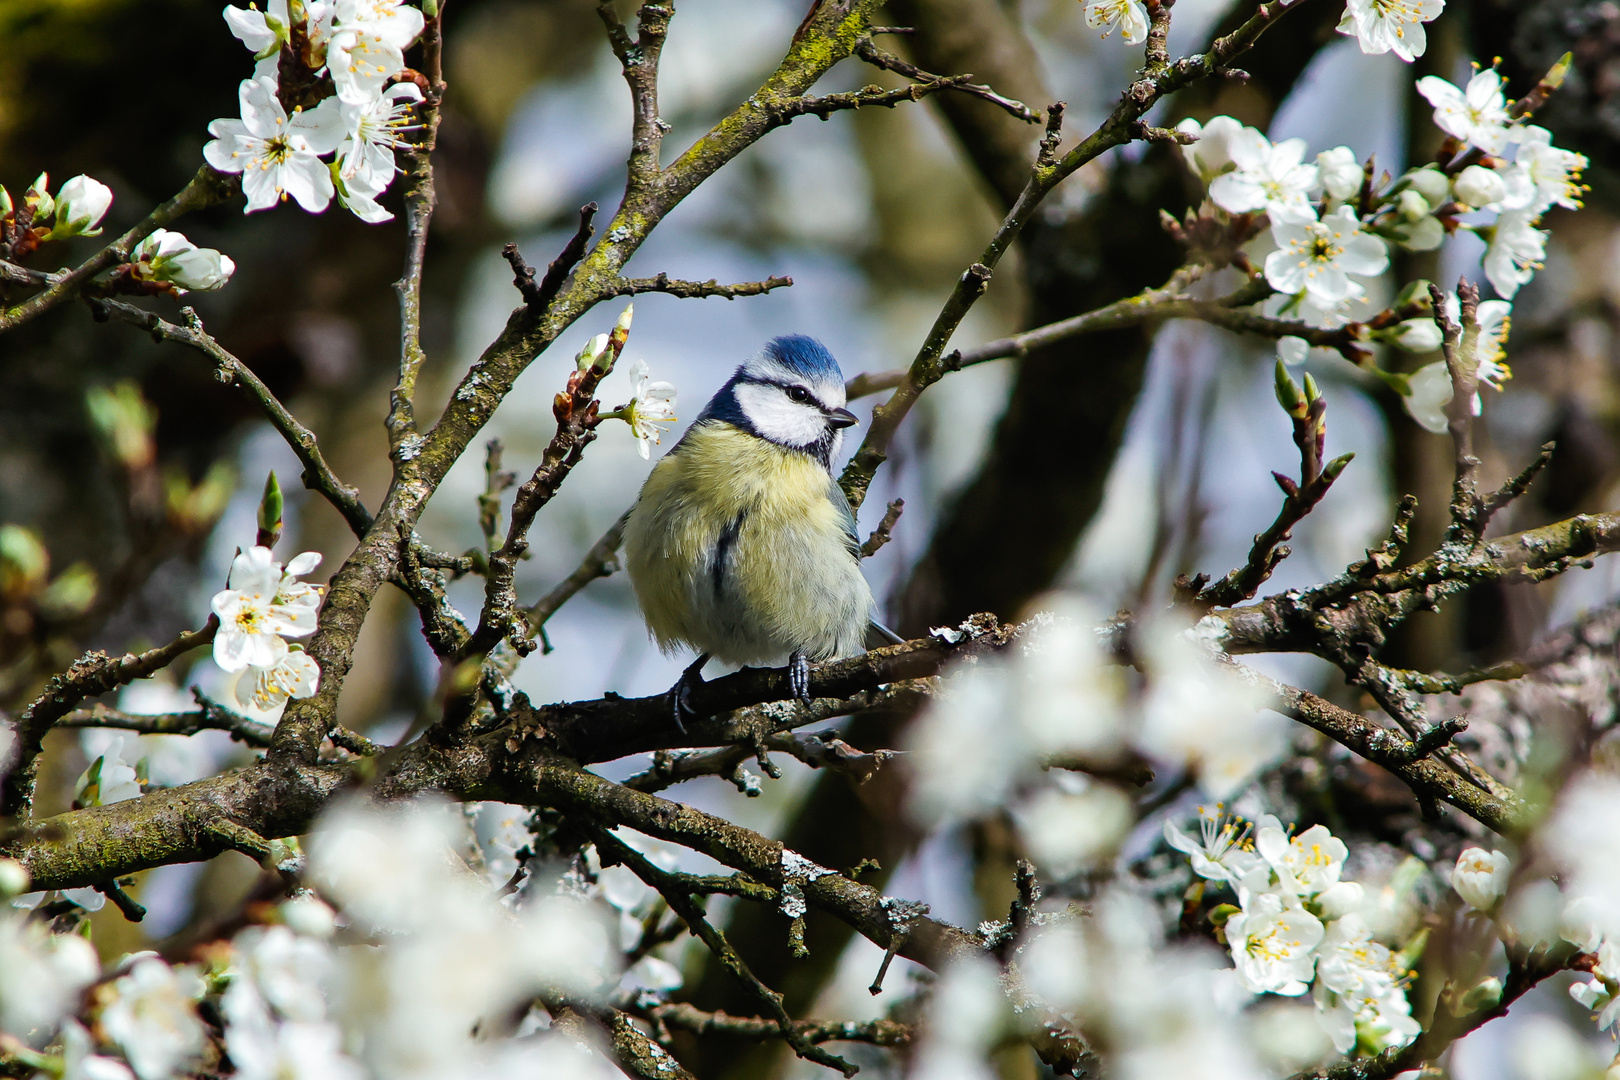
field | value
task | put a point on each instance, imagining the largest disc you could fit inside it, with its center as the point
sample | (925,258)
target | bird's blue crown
(804,356)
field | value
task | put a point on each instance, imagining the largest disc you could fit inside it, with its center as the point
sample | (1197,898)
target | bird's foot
(680,695)
(799,676)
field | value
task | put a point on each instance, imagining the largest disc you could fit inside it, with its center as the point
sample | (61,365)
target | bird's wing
(835,495)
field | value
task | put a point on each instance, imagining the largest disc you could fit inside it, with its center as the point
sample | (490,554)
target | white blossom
(1273,943)
(152,1017)
(78,1063)
(1305,864)
(653,975)
(266,690)
(1581,836)
(1381,26)
(1428,393)
(277,156)
(1128,16)
(1319,257)
(1339,173)
(1477,115)
(1481,878)
(1269,178)
(1211,155)
(371,135)
(1516,250)
(367,47)
(290,1051)
(261,604)
(109,778)
(168,257)
(80,205)
(265,32)
(1221,852)
(1542,176)
(651,409)
(41,975)
(285,970)
(1200,714)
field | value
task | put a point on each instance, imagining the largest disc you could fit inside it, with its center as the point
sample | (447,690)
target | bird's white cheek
(778,419)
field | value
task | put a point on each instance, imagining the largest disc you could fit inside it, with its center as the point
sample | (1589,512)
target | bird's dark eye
(799,394)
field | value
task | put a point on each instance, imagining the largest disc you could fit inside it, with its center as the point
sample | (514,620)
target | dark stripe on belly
(722,550)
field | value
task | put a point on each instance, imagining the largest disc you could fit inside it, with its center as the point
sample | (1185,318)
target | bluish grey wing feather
(835,495)
(878,635)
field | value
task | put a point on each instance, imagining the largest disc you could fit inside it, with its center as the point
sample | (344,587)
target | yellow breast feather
(736,549)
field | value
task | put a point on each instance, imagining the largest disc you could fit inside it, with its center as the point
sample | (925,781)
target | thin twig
(875,56)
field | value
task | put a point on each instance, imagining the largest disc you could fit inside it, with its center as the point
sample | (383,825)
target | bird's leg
(799,676)
(680,695)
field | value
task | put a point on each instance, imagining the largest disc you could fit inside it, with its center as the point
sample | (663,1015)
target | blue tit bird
(742,545)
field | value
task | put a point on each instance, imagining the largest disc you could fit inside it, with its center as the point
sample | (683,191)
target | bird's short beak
(841,418)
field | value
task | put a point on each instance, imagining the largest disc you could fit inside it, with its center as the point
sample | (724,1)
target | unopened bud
(1428,182)
(1416,335)
(1333,468)
(616,340)
(80,206)
(1412,206)
(1288,395)
(1483,996)
(1559,71)
(1312,394)
(1478,186)
(270,507)
(5,200)
(38,196)
(592,352)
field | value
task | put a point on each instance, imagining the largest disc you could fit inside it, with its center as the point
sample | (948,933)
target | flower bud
(1412,207)
(1416,335)
(169,258)
(308,915)
(1428,182)
(80,206)
(1341,174)
(1415,292)
(1481,878)
(270,509)
(1288,394)
(5,201)
(1483,996)
(1478,186)
(592,352)
(38,197)
(1425,234)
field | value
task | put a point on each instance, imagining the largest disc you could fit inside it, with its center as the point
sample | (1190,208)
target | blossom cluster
(261,606)
(1298,926)
(993,736)
(164,261)
(1330,226)
(1379,26)
(358,46)
(399,964)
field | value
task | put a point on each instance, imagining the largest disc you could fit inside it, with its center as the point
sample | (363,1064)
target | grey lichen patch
(903,914)
(797,867)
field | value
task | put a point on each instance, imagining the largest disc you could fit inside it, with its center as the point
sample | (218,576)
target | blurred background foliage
(1113,462)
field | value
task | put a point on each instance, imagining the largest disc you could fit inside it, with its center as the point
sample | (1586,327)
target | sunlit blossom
(277,155)
(1273,945)
(1320,257)
(1267,177)
(651,410)
(1477,114)
(1128,16)
(1223,851)
(1381,26)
